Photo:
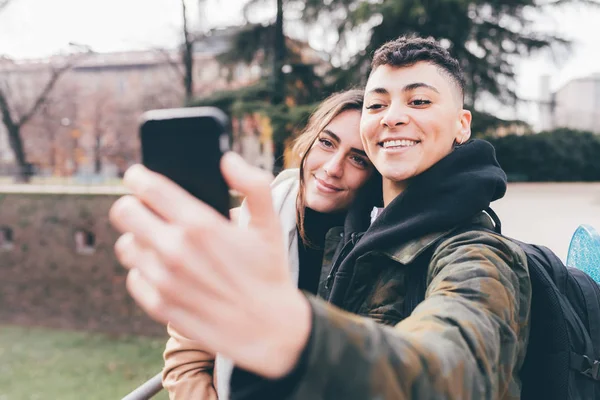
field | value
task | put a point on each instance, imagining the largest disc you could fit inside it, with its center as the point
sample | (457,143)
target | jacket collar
(408,252)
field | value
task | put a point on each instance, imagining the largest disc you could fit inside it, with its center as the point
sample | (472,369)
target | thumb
(254,184)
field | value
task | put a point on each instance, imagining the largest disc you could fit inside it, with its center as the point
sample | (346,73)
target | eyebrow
(337,139)
(408,88)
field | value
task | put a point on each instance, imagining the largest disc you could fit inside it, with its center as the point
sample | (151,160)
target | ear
(464,132)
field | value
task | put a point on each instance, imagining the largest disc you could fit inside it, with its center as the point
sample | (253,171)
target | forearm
(351,357)
(188,370)
(355,358)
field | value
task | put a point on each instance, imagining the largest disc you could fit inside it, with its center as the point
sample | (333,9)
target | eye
(326,143)
(375,106)
(420,102)
(359,161)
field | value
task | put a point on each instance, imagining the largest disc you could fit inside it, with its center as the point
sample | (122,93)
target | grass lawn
(37,363)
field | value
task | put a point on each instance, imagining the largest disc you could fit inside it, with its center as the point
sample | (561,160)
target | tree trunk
(188,79)
(187,58)
(279,53)
(278,95)
(97,160)
(53,156)
(13,124)
(15,141)
(23,172)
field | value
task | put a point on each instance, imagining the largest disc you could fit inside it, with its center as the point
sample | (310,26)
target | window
(6,238)
(121,85)
(85,242)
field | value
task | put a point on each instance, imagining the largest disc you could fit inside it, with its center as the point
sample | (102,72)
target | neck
(316,224)
(391,190)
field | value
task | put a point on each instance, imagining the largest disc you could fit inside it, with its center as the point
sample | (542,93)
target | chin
(321,205)
(394,175)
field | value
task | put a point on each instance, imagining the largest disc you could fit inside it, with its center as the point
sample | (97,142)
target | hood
(450,193)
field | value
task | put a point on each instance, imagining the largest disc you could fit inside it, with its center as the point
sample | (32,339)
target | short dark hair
(409,50)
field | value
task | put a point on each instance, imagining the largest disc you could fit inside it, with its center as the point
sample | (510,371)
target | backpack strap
(586,366)
(496,219)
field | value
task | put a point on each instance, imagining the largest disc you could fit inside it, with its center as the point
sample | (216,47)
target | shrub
(562,155)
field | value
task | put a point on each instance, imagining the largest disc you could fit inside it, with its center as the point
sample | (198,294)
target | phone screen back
(188,151)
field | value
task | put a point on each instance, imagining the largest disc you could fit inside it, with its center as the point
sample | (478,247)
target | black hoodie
(450,193)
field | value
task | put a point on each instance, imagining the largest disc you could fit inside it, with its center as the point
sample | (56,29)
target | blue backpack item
(563,354)
(584,251)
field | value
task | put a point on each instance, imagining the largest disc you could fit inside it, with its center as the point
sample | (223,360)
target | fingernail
(134,175)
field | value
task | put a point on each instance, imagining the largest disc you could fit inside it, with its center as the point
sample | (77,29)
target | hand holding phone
(186,145)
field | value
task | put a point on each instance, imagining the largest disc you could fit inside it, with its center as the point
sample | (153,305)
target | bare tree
(15,117)
(279,53)
(123,147)
(45,129)
(183,63)
(3,4)
(103,121)
(187,56)
(49,135)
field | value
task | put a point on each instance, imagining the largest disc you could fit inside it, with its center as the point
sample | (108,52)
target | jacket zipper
(412,294)
(345,250)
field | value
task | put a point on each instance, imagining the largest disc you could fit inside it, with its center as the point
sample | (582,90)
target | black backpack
(563,354)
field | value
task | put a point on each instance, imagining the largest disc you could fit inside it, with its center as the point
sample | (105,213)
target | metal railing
(147,390)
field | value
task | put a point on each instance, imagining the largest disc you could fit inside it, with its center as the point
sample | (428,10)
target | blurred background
(75,76)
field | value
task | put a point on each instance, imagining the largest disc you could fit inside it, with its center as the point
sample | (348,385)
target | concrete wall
(46,280)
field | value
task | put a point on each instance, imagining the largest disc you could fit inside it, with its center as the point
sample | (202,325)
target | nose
(334,167)
(395,116)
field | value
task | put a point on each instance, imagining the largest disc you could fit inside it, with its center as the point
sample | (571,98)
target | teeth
(399,143)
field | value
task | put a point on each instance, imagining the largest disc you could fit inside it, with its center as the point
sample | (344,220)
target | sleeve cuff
(247,385)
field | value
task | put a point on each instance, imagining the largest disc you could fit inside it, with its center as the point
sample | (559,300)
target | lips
(326,187)
(398,143)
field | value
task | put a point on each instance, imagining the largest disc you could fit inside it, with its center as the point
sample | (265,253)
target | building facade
(575,105)
(89,125)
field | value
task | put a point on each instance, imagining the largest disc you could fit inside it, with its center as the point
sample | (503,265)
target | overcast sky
(37,28)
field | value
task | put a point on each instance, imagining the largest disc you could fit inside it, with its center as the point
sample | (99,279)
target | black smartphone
(186,145)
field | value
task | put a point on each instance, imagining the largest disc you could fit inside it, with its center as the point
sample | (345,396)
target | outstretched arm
(466,340)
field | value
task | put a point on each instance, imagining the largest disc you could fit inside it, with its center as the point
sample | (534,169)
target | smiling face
(336,166)
(412,117)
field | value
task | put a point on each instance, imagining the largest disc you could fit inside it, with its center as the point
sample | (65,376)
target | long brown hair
(330,108)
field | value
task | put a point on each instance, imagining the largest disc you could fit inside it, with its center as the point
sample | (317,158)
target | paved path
(548,214)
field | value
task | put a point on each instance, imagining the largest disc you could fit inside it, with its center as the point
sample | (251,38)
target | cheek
(311,162)
(357,179)
(368,125)
(305,174)
(438,128)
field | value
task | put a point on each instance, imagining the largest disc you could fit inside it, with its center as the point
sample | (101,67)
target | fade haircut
(406,51)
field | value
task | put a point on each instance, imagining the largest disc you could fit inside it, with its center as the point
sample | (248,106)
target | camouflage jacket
(466,340)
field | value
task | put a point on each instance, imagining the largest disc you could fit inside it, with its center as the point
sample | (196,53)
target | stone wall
(59,269)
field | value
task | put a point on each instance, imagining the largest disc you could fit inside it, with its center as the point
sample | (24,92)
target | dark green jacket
(466,340)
